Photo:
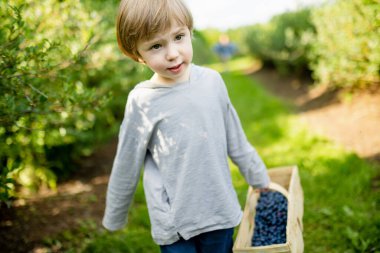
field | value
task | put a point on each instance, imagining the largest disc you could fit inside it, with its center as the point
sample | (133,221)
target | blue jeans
(219,241)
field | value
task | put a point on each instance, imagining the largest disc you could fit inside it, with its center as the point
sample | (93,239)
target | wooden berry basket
(285,180)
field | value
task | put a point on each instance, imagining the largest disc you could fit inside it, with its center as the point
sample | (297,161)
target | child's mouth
(176,68)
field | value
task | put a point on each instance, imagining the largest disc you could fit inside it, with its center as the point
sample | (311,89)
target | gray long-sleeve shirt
(183,135)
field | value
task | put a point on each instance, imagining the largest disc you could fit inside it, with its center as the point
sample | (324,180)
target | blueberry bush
(346,45)
(337,42)
(57,61)
(283,42)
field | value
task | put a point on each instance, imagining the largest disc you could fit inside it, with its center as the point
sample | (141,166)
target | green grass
(341,209)
(236,64)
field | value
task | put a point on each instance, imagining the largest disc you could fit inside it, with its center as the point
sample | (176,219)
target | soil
(351,119)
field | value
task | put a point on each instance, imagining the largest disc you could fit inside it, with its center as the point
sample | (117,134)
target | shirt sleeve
(134,137)
(242,153)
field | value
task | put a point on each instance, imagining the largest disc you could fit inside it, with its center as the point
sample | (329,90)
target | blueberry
(270,219)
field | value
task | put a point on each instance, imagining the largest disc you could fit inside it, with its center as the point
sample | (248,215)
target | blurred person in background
(225,49)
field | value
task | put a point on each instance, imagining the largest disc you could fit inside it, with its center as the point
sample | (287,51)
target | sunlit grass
(245,64)
(341,209)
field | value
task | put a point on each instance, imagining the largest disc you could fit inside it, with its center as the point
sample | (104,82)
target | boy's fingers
(266,189)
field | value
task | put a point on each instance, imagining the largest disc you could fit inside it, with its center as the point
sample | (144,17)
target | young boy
(182,127)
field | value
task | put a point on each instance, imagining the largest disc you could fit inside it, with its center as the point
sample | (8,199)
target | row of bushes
(339,42)
(61,90)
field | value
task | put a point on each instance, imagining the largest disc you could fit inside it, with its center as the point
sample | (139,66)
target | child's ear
(140,60)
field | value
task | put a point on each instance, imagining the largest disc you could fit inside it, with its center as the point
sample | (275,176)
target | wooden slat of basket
(281,176)
(246,229)
(278,188)
(295,213)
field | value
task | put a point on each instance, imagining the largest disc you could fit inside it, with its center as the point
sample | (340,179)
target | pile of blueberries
(270,220)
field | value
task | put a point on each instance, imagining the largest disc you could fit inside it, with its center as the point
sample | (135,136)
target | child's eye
(179,36)
(156,46)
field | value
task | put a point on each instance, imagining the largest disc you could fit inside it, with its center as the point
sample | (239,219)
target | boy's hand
(273,187)
(263,189)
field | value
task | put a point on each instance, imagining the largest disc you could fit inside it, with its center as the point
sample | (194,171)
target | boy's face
(168,54)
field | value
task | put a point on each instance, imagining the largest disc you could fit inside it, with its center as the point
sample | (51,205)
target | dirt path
(352,122)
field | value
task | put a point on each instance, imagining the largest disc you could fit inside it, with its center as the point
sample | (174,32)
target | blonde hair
(140,20)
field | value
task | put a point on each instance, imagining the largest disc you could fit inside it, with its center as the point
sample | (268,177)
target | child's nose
(172,53)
